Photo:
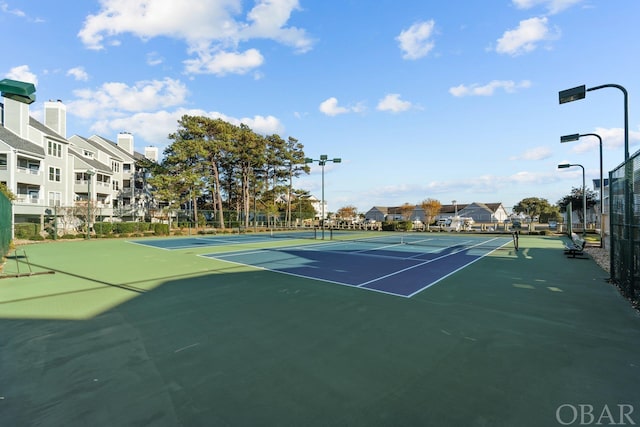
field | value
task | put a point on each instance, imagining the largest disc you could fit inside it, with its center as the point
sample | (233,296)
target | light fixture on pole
(580,92)
(575,137)
(584,196)
(90,174)
(322,162)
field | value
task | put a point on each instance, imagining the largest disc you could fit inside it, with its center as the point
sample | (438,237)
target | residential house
(484,212)
(479,212)
(44,169)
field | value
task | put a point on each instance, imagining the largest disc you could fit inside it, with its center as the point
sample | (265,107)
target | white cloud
(210,28)
(416,41)
(113,99)
(526,177)
(393,103)
(330,107)
(78,73)
(612,139)
(553,6)
(222,63)
(269,18)
(154,58)
(537,153)
(265,125)
(4,7)
(525,38)
(23,74)
(508,86)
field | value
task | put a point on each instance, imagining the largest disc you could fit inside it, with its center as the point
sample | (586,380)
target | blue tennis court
(396,268)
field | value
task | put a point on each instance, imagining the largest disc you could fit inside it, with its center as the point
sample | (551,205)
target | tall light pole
(90,174)
(322,162)
(580,92)
(257,172)
(584,197)
(575,137)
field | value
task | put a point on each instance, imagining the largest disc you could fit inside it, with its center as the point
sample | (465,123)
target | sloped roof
(91,163)
(452,208)
(493,206)
(46,130)
(444,209)
(382,209)
(98,146)
(20,144)
(114,146)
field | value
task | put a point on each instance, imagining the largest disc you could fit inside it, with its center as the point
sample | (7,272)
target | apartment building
(45,169)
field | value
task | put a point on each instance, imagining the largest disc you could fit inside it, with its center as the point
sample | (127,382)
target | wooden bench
(575,247)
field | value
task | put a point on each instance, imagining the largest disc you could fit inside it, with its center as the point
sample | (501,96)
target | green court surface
(127,335)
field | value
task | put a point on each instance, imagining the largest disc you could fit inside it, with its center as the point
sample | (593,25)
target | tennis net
(489,241)
(295,233)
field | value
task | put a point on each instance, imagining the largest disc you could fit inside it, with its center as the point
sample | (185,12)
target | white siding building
(44,168)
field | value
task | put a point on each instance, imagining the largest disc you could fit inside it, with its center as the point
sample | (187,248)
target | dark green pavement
(127,335)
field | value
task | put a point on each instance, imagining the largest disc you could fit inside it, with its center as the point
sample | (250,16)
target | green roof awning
(18,91)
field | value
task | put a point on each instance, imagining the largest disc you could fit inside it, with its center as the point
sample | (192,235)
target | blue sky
(451,100)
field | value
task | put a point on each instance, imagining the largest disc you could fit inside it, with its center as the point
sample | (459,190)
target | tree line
(215,165)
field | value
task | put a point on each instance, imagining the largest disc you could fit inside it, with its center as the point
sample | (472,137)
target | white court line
(359,286)
(455,271)
(430,261)
(335,282)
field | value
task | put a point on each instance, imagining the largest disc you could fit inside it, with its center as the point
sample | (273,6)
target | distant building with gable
(479,212)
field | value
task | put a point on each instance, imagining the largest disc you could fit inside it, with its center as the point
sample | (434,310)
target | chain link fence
(624,208)
(90,221)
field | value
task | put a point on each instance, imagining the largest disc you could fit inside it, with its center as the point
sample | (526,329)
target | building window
(54,198)
(126,167)
(54,174)
(116,185)
(115,166)
(54,149)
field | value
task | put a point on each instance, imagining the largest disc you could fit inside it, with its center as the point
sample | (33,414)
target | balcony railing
(29,171)
(27,199)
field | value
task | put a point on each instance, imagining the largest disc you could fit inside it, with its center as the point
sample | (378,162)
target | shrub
(103,228)
(26,230)
(161,229)
(397,226)
(207,231)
